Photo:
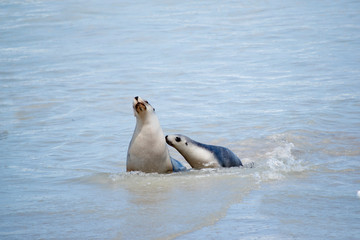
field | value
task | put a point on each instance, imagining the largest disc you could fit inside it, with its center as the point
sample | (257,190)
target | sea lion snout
(168,141)
(139,104)
(140,107)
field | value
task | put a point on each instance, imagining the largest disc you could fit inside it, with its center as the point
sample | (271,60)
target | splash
(282,161)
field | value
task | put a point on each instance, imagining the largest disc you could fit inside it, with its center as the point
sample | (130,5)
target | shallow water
(277,82)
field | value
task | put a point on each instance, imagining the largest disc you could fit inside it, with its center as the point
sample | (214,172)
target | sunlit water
(278,82)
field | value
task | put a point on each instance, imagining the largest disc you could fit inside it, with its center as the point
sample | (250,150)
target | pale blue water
(278,82)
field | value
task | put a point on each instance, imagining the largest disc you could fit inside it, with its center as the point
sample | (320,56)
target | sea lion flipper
(177,166)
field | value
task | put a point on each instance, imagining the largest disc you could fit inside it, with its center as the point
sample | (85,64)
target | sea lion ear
(150,105)
(186,143)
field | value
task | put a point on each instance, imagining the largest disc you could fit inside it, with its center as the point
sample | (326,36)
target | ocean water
(278,82)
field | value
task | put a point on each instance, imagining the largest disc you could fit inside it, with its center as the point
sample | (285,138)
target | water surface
(277,82)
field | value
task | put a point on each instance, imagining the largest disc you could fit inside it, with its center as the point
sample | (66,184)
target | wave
(198,198)
(268,159)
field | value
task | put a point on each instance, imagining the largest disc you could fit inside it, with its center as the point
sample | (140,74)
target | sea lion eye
(177,139)
(146,102)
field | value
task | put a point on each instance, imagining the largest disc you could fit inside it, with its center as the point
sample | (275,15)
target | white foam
(281,162)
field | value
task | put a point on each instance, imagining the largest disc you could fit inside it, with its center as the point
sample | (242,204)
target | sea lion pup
(147,150)
(200,155)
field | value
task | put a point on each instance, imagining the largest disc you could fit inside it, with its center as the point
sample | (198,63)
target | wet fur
(200,155)
(147,150)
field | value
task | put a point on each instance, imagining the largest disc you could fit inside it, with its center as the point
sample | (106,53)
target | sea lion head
(177,141)
(142,107)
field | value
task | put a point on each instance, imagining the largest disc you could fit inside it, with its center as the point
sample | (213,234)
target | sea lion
(200,155)
(147,150)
